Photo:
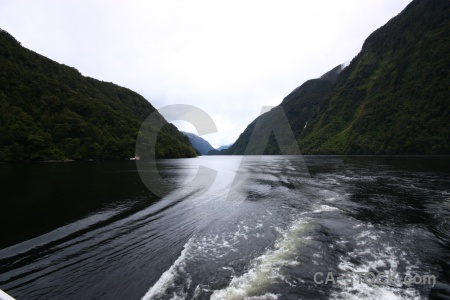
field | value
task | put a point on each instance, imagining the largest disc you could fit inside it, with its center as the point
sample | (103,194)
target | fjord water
(261,231)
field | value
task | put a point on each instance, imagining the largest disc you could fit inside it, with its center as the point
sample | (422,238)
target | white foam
(268,296)
(372,259)
(167,278)
(266,269)
(332,181)
(324,207)
(211,246)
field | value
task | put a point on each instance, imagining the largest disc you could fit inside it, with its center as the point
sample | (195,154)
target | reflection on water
(265,226)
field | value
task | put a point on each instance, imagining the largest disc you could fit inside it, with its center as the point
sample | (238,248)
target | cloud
(229,58)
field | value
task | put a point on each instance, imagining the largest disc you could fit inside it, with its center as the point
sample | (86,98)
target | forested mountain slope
(393,98)
(49,111)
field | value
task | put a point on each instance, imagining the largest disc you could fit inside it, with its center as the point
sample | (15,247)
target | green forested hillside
(200,144)
(302,107)
(393,98)
(50,111)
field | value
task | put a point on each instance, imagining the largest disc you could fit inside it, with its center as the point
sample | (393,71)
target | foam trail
(267,268)
(167,278)
(376,258)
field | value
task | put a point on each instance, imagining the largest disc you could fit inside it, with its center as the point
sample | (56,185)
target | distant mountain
(223,147)
(49,111)
(222,150)
(199,143)
(393,98)
(217,152)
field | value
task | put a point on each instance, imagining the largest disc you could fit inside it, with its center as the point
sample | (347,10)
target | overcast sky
(228,58)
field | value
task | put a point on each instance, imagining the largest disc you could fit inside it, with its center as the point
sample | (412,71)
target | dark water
(266,226)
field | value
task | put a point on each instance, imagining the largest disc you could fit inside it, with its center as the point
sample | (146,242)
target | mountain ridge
(224,147)
(199,143)
(52,112)
(393,97)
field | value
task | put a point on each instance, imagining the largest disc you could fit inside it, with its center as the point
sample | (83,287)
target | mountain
(301,106)
(199,143)
(393,98)
(223,147)
(51,112)
(222,150)
(218,152)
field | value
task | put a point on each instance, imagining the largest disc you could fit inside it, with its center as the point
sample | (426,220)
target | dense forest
(49,111)
(393,98)
(199,143)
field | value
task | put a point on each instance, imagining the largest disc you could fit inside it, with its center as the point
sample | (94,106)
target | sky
(229,58)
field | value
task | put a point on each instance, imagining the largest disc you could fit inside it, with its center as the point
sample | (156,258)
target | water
(261,231)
